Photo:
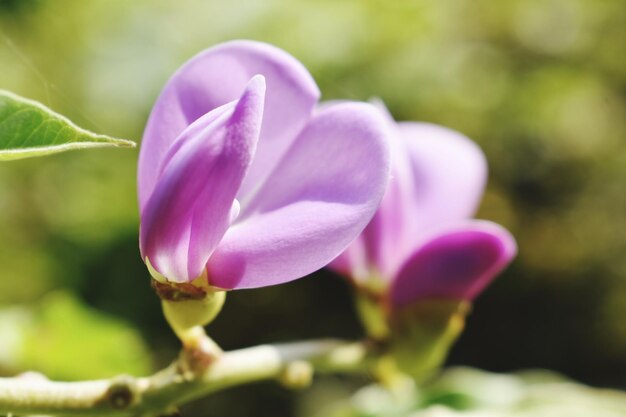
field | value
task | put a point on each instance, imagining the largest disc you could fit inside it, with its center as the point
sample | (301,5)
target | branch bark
(161,393)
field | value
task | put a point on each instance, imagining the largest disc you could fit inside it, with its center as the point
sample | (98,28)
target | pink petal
(317,200)
(375,251)
(437,177)
(388,236)
(456,264)
(216,77)
(194,198)
(449,173)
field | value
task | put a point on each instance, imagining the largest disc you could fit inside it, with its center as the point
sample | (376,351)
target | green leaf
(28,129)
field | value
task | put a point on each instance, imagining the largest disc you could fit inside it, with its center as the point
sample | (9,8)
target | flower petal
(456,264)
(215,77)
(194,199)
(437,176)
(449,172)
(374,252)
(317,200)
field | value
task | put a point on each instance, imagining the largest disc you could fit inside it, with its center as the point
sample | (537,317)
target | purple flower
(422,242)
(240,179)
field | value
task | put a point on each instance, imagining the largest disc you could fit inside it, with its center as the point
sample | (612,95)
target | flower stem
(162,392)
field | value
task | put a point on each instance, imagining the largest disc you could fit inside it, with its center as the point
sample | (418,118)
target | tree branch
(177,384)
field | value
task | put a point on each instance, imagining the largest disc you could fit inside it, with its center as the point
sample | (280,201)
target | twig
(162,392)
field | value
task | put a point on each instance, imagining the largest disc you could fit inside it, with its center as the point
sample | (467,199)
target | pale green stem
(160,393)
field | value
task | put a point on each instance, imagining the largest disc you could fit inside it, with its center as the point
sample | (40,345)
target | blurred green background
(539,84)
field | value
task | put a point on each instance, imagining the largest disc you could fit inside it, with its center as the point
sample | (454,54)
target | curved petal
(456,264)
(437,177)
(375,251)
(194,199)
(215,77)
(317,200)
(449,172)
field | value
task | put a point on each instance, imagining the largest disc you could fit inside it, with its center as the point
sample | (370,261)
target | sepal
(423,333)
(189,306)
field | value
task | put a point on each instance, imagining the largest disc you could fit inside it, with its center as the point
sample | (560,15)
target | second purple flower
(422,243)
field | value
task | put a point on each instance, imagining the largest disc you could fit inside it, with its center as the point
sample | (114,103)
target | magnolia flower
(422,242)
(241,180)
